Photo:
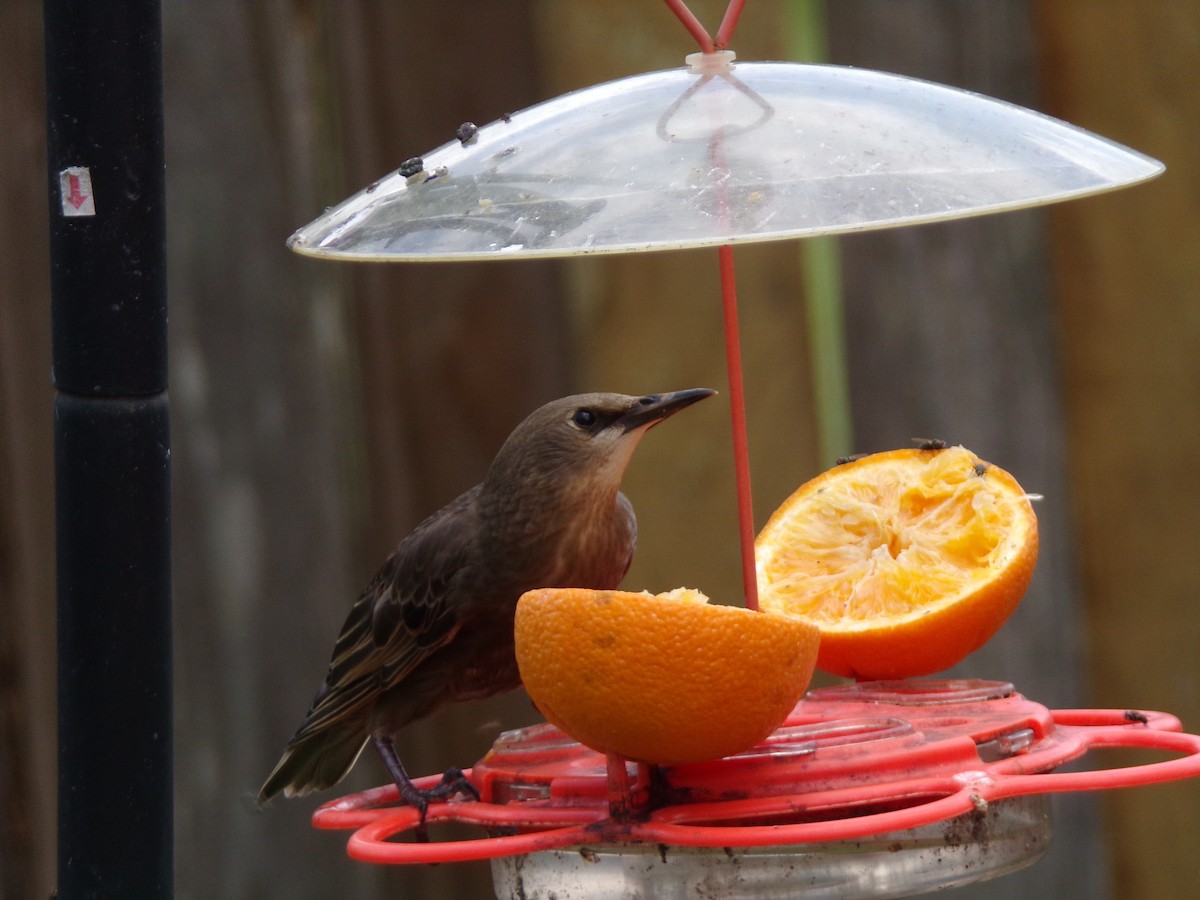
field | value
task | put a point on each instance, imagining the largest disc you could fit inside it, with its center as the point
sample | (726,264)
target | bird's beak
(653,408)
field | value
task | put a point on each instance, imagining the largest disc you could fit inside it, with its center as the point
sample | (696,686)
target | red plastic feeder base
(878,788)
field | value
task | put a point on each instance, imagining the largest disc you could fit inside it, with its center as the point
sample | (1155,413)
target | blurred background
(321,409)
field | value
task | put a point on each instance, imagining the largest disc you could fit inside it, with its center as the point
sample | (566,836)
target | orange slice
(907,561)
(660,679)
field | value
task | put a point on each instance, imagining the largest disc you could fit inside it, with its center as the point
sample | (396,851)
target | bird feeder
(878,789)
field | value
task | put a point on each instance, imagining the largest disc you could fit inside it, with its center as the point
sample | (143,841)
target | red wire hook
(703,38)
(733,356)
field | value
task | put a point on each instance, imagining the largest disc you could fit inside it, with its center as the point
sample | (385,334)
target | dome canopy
(719,153)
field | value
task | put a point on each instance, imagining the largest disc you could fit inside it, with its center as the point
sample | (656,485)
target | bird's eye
(584,418)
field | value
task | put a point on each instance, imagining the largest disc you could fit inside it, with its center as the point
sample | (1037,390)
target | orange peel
(660,679)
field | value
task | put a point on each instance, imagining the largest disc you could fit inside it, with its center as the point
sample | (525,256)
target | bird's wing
(406,613)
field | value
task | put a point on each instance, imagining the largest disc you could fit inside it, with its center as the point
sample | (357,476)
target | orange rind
(663,679)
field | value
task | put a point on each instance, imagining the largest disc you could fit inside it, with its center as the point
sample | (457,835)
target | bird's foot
(453,782)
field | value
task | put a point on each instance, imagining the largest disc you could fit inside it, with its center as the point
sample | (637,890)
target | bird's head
(583,441)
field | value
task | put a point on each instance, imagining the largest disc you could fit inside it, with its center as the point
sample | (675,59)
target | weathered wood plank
(263,419)
(952,334)
(451,356)
(1127,273)
(27,597)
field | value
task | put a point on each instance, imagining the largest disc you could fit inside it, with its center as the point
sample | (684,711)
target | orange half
(907,560)
(660,679)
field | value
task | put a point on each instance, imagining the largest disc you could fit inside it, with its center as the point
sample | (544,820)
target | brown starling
(435,625)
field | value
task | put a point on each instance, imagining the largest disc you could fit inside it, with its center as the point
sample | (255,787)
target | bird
(435,624)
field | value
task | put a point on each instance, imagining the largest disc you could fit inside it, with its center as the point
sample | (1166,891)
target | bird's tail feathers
(315,763)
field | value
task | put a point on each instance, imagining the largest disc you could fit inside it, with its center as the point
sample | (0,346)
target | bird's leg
(453,781)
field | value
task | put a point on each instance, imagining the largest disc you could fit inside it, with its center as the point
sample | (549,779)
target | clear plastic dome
(720,153)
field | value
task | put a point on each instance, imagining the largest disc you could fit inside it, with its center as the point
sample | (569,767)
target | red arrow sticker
(75,187)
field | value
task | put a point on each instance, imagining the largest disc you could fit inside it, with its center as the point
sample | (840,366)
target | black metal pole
(112,447)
